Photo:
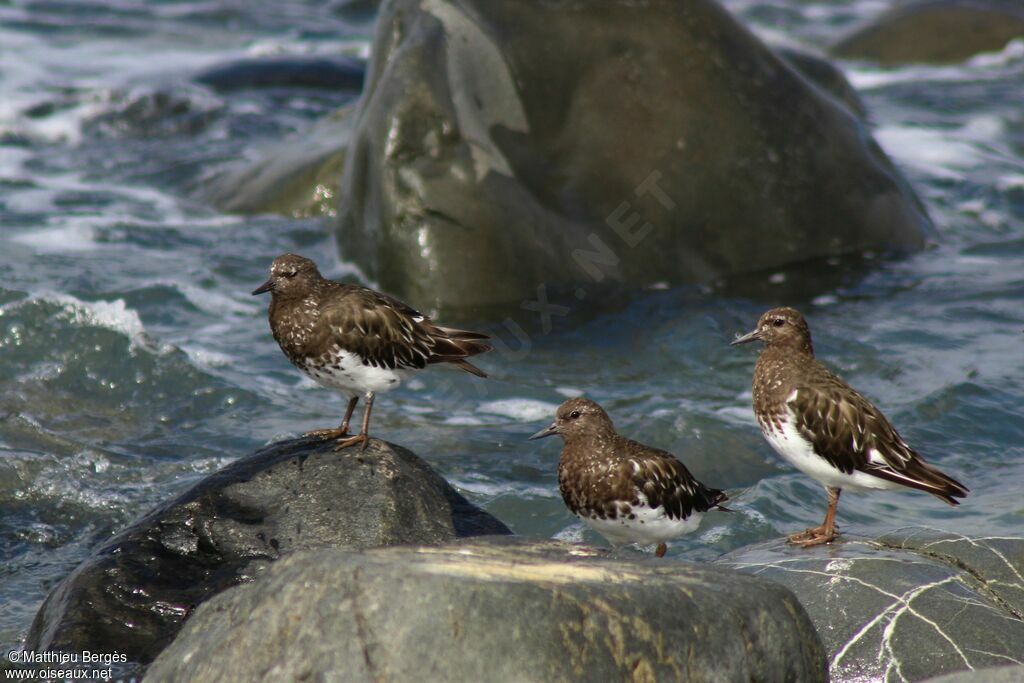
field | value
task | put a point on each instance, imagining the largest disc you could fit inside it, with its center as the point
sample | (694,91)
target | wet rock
(502,145)
(295,177)
(825,75)
(335,73)
(357,11)
(1013,673)
(134,593)
(936,31)
(905,606)
(495,610)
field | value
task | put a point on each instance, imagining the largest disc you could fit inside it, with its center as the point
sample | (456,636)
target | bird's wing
(852,434)
(384,331)
(666,482)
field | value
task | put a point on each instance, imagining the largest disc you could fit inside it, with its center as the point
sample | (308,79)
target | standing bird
(354,339)
(827,430)
(623,490)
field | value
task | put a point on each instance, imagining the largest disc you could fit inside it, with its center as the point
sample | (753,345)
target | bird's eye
(779,322)
(290,273)
(574,415)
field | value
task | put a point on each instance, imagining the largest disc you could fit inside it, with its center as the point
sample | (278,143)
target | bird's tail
(923,477)
(717,498)
(454,346)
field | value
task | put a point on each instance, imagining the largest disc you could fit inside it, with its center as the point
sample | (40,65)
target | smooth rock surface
(1014,673)
(906,606)
(134,593)
(643,143)
(826,75)
(495,610)
(935,31)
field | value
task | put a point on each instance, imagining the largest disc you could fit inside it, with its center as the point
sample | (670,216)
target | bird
(825,428)
(356,340)
(624,490)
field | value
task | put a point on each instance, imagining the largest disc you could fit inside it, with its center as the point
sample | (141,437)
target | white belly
(346,372)
(649,527)
(798,452)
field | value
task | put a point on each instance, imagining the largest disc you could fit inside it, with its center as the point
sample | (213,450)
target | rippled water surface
(133,360)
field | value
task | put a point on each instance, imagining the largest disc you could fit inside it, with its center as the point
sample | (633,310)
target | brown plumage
(827,429)
(624,490)
(355,339)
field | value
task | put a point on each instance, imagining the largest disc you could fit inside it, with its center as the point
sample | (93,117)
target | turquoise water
(133,360)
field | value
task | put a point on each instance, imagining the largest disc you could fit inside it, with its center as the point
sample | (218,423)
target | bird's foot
(326,434)
(661,550)
(363,439)
(818,535)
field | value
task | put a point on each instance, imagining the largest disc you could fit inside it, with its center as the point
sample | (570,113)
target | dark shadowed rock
(134,593)
(937,31)
(500,145)
(826,76)
(905,606)
(295,177)
(334,73)
(495,610)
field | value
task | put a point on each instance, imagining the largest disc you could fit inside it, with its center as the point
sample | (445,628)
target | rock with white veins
(908,605)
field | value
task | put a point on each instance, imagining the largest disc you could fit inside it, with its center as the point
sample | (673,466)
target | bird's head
(290,275)
(782,328)
(577,417)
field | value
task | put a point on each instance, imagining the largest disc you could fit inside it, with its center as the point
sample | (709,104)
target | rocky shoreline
(297,561)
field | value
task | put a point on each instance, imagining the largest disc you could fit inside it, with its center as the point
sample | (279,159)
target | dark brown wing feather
(845,429)
(389,333)
(667,483)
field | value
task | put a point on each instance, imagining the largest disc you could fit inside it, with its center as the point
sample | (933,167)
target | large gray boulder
(500,145)
(909,605)
(935,31)
(133,593)
(299,176)
(486,610)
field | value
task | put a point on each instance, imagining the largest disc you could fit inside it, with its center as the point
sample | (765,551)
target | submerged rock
(334,73)
(294,177)
(936,31)
(908,605)
(501,145)
(134,593)
(495,610)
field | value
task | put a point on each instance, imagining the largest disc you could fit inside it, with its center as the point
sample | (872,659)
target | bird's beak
(550,430)
(747,338)
(267,286)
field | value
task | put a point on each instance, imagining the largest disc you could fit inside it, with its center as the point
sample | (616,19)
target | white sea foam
(571,534)
(521,409)
(67,238)
(214,301)
(936,152)
(737,414)
(113,315)
(463,420)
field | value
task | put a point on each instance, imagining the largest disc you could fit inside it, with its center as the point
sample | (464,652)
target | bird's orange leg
(341,431)
(827,532)
(363,437)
